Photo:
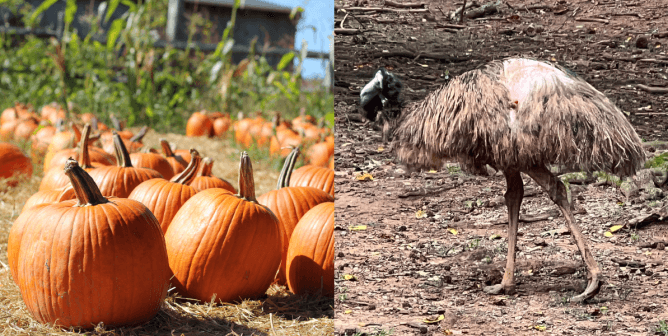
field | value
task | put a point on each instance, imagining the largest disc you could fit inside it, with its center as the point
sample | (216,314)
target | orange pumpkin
(153,161)
(289,204)
(319,154)
(204,179)
(310,257)
(164,198)
(97,155)
(25,128)
(313,176)
(55,178)
(176,161)
(50,196)
(82,262)
(221,125)
(13,163)
(199,124)
(224,245)
(120,180)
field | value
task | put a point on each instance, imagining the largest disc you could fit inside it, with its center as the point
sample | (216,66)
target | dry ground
(396,273)
(280,313)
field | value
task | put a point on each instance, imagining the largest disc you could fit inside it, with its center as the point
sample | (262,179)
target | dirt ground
(415,250)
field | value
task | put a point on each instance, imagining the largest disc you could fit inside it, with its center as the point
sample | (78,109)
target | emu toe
(499,289)
(592,289)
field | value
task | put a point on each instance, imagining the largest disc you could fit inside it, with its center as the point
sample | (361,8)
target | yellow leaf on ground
(420,214)
(380,149)
(608,234)
(453,231)
(364,177)
(358,228)
(349,277)
(438,319)
(348,311)
(433,171)
(616,228)
(540,327)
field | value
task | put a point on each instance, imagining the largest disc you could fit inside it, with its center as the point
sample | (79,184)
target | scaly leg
(557,192)
(514,195)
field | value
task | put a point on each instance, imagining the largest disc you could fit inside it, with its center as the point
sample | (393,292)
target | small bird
(379,96)
(518,115)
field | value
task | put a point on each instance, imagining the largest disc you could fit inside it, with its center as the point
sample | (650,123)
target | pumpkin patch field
(110,230)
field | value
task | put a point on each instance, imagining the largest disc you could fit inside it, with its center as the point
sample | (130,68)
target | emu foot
(499,289)
(592,289)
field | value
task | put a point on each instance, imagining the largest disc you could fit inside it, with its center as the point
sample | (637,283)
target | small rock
(642,42)
(402,228)
(629,189)
(660,246)
(653,194)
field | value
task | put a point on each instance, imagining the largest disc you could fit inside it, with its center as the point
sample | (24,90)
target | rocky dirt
(414,250)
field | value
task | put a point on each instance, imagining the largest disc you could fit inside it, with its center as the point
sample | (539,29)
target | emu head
(379,94)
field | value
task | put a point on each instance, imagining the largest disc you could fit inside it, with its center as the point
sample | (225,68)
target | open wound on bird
(474,117)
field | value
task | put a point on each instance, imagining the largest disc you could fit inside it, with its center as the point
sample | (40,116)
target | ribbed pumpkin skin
(97,156)
(311,252)
(13,161)
(49,196)
(289,204)
(120,181)
(163,198)
(156,162)
(207,182)
(220,244)
(79,266)
(312,176)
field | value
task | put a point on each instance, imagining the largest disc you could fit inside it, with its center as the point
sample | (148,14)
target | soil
(417,248)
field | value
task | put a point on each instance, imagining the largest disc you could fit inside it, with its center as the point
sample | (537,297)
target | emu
(518,116)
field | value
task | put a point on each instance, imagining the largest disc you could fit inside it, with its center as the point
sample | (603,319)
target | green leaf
(285,60)
(114,32)
(132,7)
(329,118)
(70,10)
(113,4)
(296,10)
(43,7)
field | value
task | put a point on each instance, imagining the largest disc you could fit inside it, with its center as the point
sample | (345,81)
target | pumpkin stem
(188,174)
(165,148)
(84,158)
(77,132)
(122,155)
(246,182)
(286,171)
(206,167)
(140,135)
(85,189)
(115,123)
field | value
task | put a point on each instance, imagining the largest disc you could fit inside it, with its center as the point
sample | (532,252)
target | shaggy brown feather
(555,118)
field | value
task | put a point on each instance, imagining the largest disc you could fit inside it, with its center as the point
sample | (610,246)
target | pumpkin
(199,124)
(132,144)
(303,119)
(313,176)
(319,154)
(283,142)
(185,154)
(204,179)
(97,155)
(81,262)
(55,178)
(25,128)
(9,114)
(221,125)
(331,163)
(13,162)
(63,139)
(310,257)
(52,112)
(164,198)
(43,137)
(176,161)
(153,161)
(224,245)
(289,204)
(50,196)
(7,130)
(120,180)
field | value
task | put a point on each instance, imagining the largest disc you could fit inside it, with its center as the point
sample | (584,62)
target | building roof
(249,4)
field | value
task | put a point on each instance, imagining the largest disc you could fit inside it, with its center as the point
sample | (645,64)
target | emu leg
(514,195)
(557,192)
